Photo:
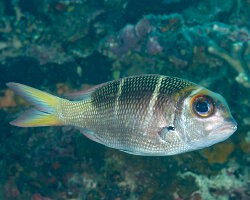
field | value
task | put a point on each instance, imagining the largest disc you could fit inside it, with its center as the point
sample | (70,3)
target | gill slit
(174,120)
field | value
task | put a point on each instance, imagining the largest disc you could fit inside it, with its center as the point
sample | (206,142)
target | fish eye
(202,106)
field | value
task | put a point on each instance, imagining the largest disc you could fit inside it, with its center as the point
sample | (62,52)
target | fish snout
(227,128)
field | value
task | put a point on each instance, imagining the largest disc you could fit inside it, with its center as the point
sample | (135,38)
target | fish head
(204,119)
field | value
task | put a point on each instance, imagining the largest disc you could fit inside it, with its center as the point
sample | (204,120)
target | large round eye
(203,106)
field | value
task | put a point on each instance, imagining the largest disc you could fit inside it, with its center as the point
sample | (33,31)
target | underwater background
(65,45)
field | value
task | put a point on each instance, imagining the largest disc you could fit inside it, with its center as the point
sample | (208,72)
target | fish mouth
(220,134)
(227,129)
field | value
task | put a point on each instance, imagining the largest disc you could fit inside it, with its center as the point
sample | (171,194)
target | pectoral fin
(92,135)
(132,152)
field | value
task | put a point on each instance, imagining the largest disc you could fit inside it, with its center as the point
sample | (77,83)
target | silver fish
(149,115)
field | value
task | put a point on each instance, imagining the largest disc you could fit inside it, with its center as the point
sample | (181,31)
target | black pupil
(202,106)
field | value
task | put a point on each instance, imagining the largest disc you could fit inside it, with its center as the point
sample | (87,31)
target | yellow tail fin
(43,113)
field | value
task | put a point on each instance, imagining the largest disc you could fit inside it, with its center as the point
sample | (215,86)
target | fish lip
(227,128)
(220,134)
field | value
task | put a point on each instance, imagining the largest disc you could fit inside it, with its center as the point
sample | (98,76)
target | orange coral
(219,153)
(245,145)
(8,99)
(62,88)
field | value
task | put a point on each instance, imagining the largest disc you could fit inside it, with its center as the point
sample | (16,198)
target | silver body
(147,115)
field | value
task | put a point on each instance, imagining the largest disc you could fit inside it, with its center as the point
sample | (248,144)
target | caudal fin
(43,113)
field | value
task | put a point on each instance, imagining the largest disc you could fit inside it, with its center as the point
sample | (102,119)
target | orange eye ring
(202,106)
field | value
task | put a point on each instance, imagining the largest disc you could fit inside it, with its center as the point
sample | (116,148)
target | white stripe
(152,102)
(118,95)
(196,91)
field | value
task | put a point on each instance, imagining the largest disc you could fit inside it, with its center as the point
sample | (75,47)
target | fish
(146,115)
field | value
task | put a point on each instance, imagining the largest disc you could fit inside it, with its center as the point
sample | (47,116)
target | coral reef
(64,45)
(51,31)
(238,58)
(225,185)
(167,41)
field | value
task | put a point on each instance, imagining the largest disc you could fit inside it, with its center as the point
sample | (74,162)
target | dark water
(59,46)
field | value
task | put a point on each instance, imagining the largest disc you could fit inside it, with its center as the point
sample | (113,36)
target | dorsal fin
(82,94)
